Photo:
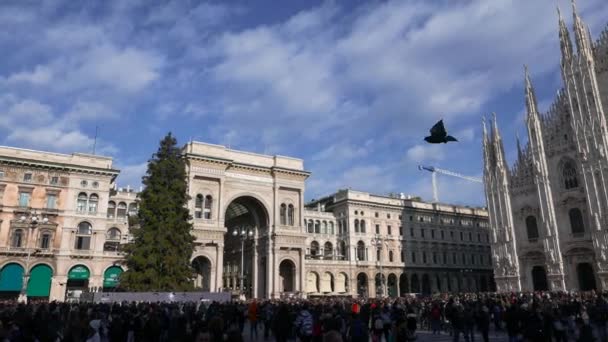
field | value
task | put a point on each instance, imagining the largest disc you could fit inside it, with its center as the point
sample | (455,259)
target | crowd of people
(521,317)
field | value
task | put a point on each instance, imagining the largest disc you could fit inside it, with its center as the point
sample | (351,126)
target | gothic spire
(564,37)
(519,152)
(581,32)
(531,103)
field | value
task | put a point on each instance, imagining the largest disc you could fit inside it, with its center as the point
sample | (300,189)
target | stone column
(219,268)
(302,276)
(371,286)
(254,283)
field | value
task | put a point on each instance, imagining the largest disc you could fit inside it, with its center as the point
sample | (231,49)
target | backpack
(379,324)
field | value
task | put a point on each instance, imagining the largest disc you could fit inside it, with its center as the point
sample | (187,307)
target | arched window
(362,226)
(283,214)
(324,228)
(360,251)
(569,175)
(328,250)
(112,240)
(310,226)
(531,227)
(198,206)
(290,215)
(317,227)
(576,221)
(390,256)
(331,228)
(18,237)
(122,210)
(342,250)
(314,248)
(356,225)
(378,255)
(111,209)
(93,200)
(132,209)
(113,234)
(208,206)
(81,203)
(83,236)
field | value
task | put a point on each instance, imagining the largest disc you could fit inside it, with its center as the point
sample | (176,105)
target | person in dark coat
(585,331)
(281,324)
(483,323)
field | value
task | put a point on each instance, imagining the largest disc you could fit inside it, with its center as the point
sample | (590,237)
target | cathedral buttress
(548,221)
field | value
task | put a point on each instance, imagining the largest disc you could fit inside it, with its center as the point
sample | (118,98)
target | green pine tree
(158,259)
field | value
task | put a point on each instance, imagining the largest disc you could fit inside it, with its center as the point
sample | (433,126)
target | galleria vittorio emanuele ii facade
(549,210)
(62,220)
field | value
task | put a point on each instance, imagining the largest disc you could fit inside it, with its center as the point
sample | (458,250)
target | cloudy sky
(351,86)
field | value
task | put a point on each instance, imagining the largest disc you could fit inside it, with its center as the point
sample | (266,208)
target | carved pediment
(526,211)
(572,201)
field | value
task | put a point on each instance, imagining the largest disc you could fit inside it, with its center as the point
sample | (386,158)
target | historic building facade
(55,236)
(548,212)
(62,222)
(363,244)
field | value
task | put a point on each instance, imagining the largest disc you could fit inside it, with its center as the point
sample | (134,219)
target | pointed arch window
(208,206)
(569,175)
(290,215)
(577,225)
(531,228)
(283,214)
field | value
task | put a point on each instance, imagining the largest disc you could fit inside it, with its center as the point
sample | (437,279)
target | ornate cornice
(37,164)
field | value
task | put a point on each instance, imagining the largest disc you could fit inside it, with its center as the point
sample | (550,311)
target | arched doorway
(202,273)
(380,281)
(392,285)
(404,285)
(39,284)
(78,282)
(415,288)
(246,247)
(341,283)
(539,279)
(362,285)
(312,282)
(111,278)
(287,276)
(327,282)
(586,277)
(426,284)
(11,281)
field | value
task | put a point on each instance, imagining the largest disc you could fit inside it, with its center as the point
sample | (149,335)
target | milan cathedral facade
(549,211)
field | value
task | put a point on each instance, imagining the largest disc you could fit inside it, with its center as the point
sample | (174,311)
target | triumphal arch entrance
(247,212)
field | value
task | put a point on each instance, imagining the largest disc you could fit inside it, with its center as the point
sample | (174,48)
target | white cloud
(89,110)
(128,69)
(424,153)
(130,174)
(40,75)
(51,138)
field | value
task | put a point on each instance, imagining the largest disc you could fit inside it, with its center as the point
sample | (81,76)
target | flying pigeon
(439,135)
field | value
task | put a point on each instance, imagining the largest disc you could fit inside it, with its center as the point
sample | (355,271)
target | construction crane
(434,170)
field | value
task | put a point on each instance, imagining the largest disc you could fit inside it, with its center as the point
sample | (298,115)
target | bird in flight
(439,135)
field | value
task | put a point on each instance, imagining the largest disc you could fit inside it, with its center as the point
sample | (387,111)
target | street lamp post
(243,234)
(377,242)
(32,222)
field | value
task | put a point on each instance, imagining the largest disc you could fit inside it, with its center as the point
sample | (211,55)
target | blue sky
(351,87)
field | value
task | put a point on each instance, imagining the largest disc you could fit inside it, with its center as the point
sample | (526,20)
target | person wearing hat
(94,326)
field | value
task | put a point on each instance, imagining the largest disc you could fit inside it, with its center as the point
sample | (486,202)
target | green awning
(39,284)
(79,273)
(11,278)
(111,276)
